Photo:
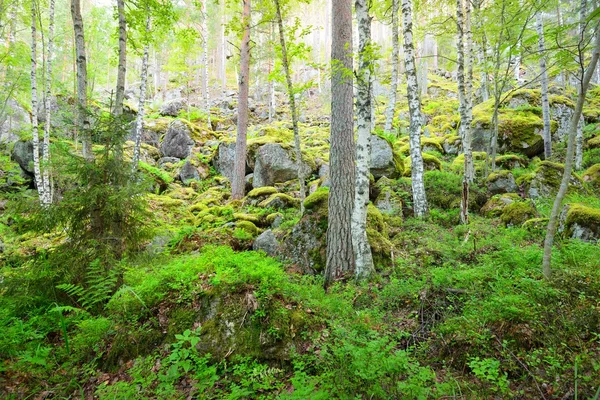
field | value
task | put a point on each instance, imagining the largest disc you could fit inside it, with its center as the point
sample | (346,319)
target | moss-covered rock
(546,180)
(452,144)
(247,217)
(430,163)
(262,192)
(317,200)
(592,176)
(496,205)
(516,213)
(386,198)
(247,226)
(501,181)
(280,201)
(579,221)
(432,144)
(594,143)
(381,247)
(511,161)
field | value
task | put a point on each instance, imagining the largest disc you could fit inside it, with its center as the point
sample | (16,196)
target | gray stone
(266,242)
(173,108)
(274,164)
(167,160)
(177,141)
(188,172)
(15,120)
(480,137)
(22,154)
(223,159)
(382,158)
(503,183)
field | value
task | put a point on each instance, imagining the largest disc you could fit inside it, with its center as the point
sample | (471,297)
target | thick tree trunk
(292,100)
(205,61)
(414,107)
(340,257)
(544,81)
(83,122)
(139,123)
(47,107)
(564,184)
(238,182)
(37,172)
(389,113)
(360,243)
(122,68)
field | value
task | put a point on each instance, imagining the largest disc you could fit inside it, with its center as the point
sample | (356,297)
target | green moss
(317,200)
(536,224)
(375,218)
(430,163)
(515,214)
(583,215)
(592,175)
(433,142)
(381,247)
(272,217)
(280,200)
(594,143)
(495,206)
(494,176)
(248,227)
(198,207)
(246,217)
(510,161)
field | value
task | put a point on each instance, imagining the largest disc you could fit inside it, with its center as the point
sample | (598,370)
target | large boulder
(266,242)
(188,172)
(15,120)
(177,142)
(386,197)
(275,164)
(501,181)
(561,113)
(173,108)
(580,222)
(22,154)
(546,180)
(224,158)
(383,160)
(481,135)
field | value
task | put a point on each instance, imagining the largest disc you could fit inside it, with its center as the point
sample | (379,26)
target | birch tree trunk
(139,122)
(414,108)
(205,61)
(37,173)
(122,68)
(238,182)
(340,256)
(47,105)
(360,243)
(83,122)
(292,100)
(223,50)
(564,184)
(389,113)
(544,81)
(579,141)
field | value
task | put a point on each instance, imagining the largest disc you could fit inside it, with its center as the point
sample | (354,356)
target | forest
(300,199)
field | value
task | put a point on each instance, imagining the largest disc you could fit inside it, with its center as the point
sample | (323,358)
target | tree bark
(238,182)
(564,184)
(389,113)
(292,100)
(83,122)
(360,243)
(34,108)
(122,68)
(139,123)
(579,141)
(544,81)
(340,257)
(414,108)
(205,61)
(47,104)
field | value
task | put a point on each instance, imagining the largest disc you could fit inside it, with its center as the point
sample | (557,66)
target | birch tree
(585,78)
(544,83)
(292,100)
(83,122)
(122,67)
(37,173)
(391,107)
(414,108)
(47,107)
(340,256)
(139,123)
(579,139)
(238,181)
(360,243)
(205,60)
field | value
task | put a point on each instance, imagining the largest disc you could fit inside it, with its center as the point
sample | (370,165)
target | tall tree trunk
(83,122)
(414,108)
(37,172)
(205,61)
(564,184)
(47,106)
(544,81)
(271,81)
(360,243)
(340,257)
(238,182)
(292,100)
(579,141)
(223,50)
(122,68)
(139,122)
(389,113)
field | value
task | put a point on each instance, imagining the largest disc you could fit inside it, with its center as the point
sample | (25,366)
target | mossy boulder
(592,176)
(433,144)
(246,217)
(280,201)
(430,163)
(516,213)
(247,226)
(546,180)
(386,198)
(384,160)
(317,201)
(276,164)
(264,191)
(496,205)
(501,181)
(594,143)
(511,161)
(452,144)
(381,247)
(579,221)
(444,190)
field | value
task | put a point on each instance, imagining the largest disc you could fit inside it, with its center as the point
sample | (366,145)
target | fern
(98,287)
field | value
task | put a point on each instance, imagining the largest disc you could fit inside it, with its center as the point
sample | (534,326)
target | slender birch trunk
(293,109)
(139,123)
(414,107)
(223,50)
(544,81)
(122,68)
(238,182)
(389,113)
(340,256)
(47,106)
(205,61)
(83,122)
(37,172)
(564,184)
(360,243)
(579,141)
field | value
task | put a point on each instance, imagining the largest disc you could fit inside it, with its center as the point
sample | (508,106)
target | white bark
(223,50)
(414,107)
(205,61)
(579,140)
(122,68)
(34,108)
(360,244)
(544,81)
(47,105)
(391,107)
(142,103)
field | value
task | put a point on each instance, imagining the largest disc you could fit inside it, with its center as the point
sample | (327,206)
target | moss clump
(262,191)
(198,207)
(272,217)
(375,218)
(511,161)
(317,200)
(496,205)
(381,247)
(594,143)
(182,193)
(435,144)
(248,227)
(536,224)
(583,215)
(430,163)
(246,217)
(592,176)
(515,214)
(280,200)
(494,176)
